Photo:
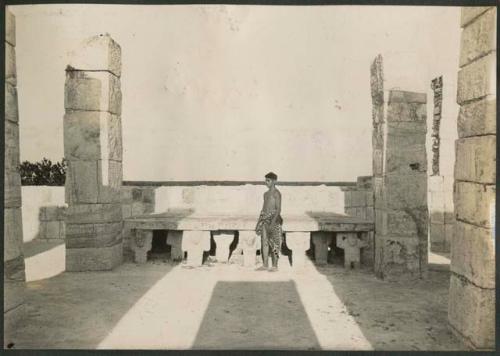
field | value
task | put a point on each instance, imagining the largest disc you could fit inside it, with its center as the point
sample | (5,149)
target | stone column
(93,149)
(13,267)
(223,240)
(471,308)
(321,240)
(401,217)
(195,243)
(248,242)
(174,239)
(299,243)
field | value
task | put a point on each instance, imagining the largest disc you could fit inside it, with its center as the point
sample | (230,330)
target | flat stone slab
(321,221)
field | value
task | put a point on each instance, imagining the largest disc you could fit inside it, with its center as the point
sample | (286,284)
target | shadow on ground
(249,315)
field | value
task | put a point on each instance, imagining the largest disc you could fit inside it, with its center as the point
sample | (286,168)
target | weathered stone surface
(405,191)
(377,81)
(92,135)
(94,213)
(400,96)
(473,254)
(378,162)
(479,37)
(248,242)
(405,160)
(470,13)
(52,213)
(471,313)
(94,259)
(11,106)
(92,91)
(13,294)
(478,118)
(364,182)
(11,147)
(93,235)
(13,233)
(97,53)
(12,189)
(400,223)
(10,65)
(140,243)
(51,230)
(477,159)
(321,241)
(222,242)
(351,245)
(368,252)
(110,175)
(10,28)
(407,128)
(473,203)
(195,242)
(400,258)
(174,239)
(477,79)
(406,112)
(82,182)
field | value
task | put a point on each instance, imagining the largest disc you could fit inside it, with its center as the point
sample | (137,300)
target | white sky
(231,92)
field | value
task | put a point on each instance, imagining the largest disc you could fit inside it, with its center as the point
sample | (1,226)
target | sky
(220,92)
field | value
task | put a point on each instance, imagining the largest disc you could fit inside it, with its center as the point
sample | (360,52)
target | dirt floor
(160,305)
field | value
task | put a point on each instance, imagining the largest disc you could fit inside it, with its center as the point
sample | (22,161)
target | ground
(162,305)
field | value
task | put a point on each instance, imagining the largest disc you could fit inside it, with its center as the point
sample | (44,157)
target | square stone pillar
(471,308)
(14,270)
(93,149)
(400,189)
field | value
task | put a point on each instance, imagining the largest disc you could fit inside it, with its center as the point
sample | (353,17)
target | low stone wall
(43,212)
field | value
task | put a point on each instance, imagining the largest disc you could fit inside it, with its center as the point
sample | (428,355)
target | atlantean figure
(352,246)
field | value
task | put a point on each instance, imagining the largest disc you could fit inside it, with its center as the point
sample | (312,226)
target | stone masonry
(93,149)
(471,308)
(400,180)
(14,270)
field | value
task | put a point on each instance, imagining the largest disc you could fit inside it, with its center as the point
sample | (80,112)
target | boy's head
(271,178)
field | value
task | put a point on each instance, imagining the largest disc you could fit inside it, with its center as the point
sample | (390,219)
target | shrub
(43,172)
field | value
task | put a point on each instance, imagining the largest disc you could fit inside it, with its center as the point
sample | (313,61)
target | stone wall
(358,201)
(44,212)
(441,216)
(471,310)
(14,268)
(93,149)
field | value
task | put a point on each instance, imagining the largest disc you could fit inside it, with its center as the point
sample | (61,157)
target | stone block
(401,223)
(435,183)
(400,258)
(222,242)
(479,37)
(93,235)
(52,213)
(370,213)
(126,210)
(12,153)
(94,213)
(13,233)
(174,239)
(368,252)
(126,193)
(14,294)
(92,135)
(473,254)
(148,195)
(471,313)
(403,112)
(478,118)
(405,160)
(92,91)
(321,241)
(248,242)
(195,242)
(11,105)
(369,198)
(358,198)
(299,243)
(12,189)
(437,216)
(378,162)
(409,128)
(473,203)
(138,208)
(477,79)
(10,65)
(82,182)
(405,191)
(50,229)
(110,176)
(97,53)
(94,258)
(364,182)
(400,96)
(470,13)
(10,28)
(476,159)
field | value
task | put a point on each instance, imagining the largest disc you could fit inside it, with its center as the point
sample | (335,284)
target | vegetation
(43,172)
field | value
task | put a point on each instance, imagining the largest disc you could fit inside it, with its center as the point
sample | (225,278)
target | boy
(269,224)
